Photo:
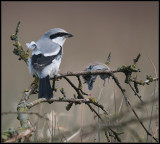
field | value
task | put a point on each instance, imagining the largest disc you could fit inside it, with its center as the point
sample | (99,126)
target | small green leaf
(136,59)
(68,107)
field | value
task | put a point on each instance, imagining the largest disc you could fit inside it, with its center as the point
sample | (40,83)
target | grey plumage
(45,41)
(46,58)
(90,79)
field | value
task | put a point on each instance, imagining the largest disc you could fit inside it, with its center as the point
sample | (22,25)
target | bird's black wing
(40,61)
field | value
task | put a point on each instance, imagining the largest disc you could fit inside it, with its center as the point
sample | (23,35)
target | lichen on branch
(18,50)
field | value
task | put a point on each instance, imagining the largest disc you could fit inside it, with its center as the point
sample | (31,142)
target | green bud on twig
(13,37)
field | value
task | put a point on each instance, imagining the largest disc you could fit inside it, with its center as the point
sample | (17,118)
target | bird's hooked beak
(69,35)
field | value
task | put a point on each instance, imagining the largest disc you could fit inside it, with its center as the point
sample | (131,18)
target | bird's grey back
(46,45)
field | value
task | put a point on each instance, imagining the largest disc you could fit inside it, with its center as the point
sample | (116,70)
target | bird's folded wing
(48,47)
(40,61)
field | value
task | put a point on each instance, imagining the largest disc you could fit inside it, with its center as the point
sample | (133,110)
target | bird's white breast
(51,70)
(59,40)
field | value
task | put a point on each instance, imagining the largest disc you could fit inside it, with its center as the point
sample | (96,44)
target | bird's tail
(45,90)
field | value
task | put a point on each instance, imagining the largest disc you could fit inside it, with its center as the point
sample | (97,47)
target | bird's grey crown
(54,31)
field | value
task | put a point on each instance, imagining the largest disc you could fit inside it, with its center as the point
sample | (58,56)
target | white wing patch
(36,52)
(31,45)
(52,53)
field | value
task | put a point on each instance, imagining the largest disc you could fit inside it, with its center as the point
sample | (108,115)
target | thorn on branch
(63,93)
(108,59)
(17,28)
(136,59)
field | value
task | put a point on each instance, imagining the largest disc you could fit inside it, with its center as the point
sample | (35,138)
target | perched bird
(46,58)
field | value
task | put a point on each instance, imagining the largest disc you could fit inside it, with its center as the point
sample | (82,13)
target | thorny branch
(24,106)
(128,102)
(135,92)
(80,95)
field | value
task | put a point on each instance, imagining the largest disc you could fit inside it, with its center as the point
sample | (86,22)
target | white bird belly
(51,70)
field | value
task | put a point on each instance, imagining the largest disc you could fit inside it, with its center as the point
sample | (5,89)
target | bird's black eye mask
(59,34)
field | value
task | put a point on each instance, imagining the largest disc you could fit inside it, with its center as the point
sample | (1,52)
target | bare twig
(30,90)
(128,102)
(138,116)
(31,113)
(73,100)
(144,82)
(75,88)
(135,92)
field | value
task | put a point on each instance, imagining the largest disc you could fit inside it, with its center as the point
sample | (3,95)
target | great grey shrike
(46,58)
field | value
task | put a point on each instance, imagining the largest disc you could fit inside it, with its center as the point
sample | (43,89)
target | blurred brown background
(122,28)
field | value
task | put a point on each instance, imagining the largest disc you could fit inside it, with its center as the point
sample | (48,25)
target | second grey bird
(46,58)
